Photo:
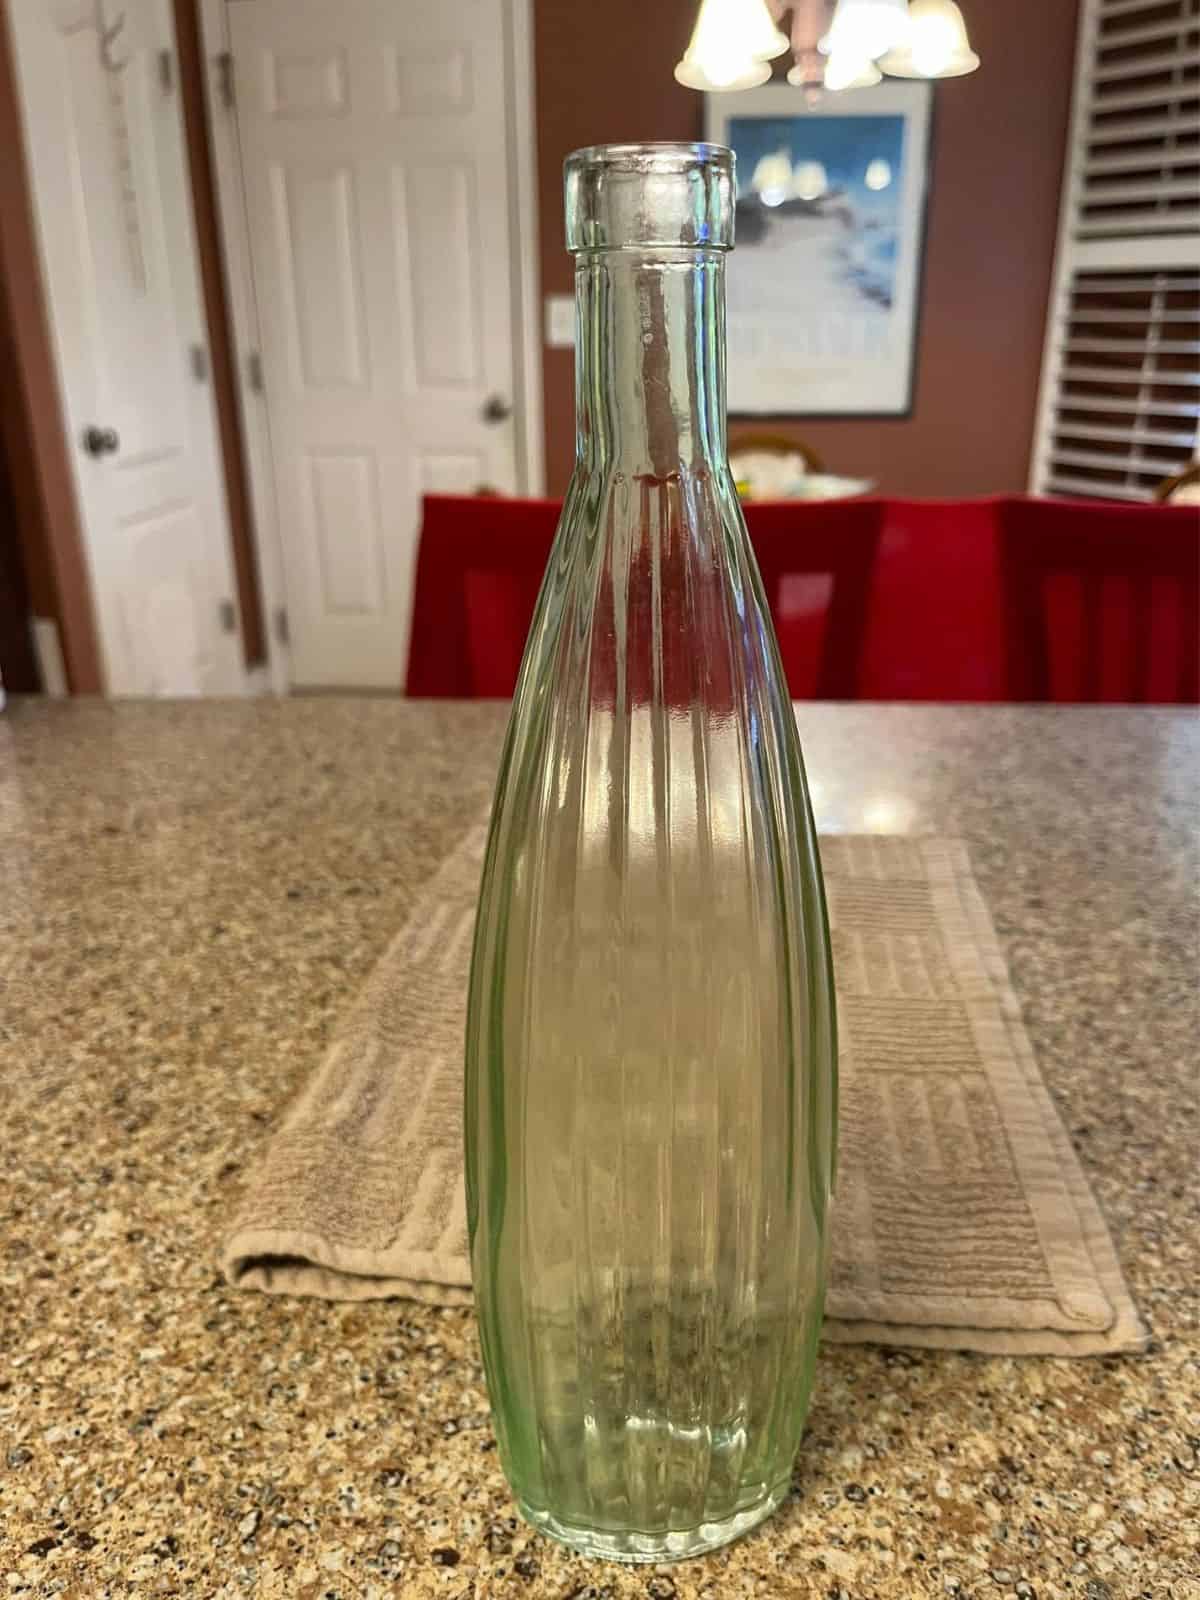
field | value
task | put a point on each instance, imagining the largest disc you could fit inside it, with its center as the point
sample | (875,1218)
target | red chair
(817,560)
(478,572)
(481,561)
(1102,602)
(935,630)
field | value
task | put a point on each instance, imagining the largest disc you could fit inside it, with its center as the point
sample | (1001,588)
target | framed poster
(823,282)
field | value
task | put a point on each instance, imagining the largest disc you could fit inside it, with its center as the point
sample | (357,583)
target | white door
(375,163)
(102,125)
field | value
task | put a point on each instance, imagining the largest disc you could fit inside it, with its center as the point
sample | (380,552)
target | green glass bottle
(650,1054)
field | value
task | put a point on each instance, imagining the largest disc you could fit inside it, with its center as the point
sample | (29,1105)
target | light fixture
(810,180)
(810,22)
(936,45)
(807,71)
(844,71)
(813,71)
(772,180)
(715,77)
(835,44)
(760,37)
(878,174)
(865,29)
(731,44)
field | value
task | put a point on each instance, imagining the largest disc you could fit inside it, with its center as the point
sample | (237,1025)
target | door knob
(496,409)
(101,441)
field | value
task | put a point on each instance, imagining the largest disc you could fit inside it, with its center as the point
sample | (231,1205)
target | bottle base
(630,1545)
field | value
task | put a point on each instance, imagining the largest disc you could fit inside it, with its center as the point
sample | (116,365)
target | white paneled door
(100,100)
(375,162)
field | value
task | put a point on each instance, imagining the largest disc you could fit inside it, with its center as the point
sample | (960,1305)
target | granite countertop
(189,894)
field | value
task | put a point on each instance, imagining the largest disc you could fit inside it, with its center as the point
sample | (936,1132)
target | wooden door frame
(52,466)
(189,53)
(235,234)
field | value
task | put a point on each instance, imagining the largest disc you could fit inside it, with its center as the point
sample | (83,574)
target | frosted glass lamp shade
(749,75)
(936,45)
(843,71)
(730,46)
(761,38)
(865,29)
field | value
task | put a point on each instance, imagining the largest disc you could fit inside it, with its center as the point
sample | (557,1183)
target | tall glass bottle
(651,1079)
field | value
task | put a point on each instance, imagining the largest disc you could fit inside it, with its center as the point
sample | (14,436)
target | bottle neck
(650,362)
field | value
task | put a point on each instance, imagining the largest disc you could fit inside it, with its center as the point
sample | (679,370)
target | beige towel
(962,1220)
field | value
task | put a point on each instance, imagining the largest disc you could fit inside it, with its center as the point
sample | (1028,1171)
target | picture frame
(824,282)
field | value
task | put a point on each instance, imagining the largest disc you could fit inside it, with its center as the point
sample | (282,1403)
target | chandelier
(847,45)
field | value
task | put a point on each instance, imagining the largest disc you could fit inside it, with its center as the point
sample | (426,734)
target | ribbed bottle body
(651,1079)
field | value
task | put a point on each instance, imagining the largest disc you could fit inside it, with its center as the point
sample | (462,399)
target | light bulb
(936,46)
(730,46)
(865,29)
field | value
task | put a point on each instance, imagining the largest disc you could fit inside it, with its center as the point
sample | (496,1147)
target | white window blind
(1120,398)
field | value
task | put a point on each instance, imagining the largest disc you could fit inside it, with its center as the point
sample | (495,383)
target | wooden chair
(1169,488)
(1102,602)
(775,444)
(766,464)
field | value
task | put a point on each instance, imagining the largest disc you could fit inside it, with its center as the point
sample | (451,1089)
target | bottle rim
(659,155)
(667,195)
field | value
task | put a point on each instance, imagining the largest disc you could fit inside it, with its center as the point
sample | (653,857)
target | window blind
(1120,397)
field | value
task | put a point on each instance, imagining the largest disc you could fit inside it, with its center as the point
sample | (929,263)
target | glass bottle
(650,1050)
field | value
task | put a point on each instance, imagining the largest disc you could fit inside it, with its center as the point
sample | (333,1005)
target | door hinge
(254,371)
(227,616)
(166,71)
(198,357)
(283,632)
(224,60)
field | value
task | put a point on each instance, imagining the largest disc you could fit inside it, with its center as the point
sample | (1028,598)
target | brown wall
(604,72)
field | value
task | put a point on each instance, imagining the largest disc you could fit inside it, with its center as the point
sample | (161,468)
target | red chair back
(1102,602)
(481,562)
(478,572)
(817,560)
(935,631)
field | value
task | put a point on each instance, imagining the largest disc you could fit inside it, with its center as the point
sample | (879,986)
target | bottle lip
(654,155)
(650,196)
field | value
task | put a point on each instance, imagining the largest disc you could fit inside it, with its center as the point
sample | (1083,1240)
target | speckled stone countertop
(188,897)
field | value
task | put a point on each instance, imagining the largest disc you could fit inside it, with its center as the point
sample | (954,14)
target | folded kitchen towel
(962,1220)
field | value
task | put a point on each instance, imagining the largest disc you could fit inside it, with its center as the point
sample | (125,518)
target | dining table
(190,896)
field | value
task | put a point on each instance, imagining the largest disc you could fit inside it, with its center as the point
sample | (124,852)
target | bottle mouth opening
(667,196)
(655,155)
